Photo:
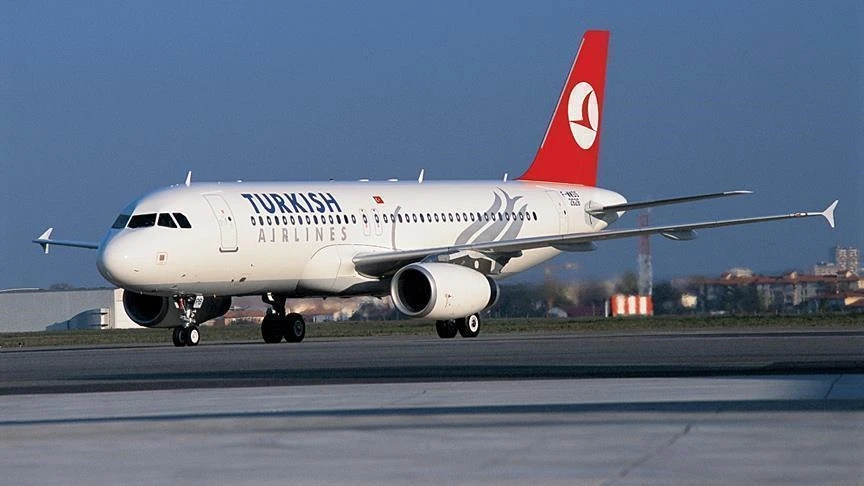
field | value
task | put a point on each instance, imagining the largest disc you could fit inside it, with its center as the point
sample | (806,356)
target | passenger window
(166,221)
(120,222)
(414,217)
(142,220)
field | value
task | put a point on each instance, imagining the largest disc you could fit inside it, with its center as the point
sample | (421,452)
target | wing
(45,240)
(382,264)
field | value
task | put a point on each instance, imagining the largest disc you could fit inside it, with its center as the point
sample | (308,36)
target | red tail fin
(570,148)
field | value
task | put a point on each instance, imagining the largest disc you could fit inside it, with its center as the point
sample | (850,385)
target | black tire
(446,329)
(294,328)
(177,337)
(271,329)
(469,327)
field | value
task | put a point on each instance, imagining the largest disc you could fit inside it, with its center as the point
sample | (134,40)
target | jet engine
(157,311)
(441,291)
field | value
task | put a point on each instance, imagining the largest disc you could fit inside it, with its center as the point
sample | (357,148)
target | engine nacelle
(156,311)
(441,291)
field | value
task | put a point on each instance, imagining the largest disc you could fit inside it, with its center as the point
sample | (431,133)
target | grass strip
(241,333)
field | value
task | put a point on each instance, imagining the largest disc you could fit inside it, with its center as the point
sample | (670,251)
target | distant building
(791,292)
(846,259)
(822,269)
(41,310)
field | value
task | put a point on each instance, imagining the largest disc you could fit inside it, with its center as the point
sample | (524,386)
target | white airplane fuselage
(298,239)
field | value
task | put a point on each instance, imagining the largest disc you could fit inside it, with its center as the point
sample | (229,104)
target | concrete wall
(44,309)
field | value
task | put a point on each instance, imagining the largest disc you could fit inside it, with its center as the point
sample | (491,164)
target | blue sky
(103,101)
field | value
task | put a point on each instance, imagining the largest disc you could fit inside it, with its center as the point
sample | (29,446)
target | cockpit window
(120,222)
(182,221)
(166,221)
(142,220)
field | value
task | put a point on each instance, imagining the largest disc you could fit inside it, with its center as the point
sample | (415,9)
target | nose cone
(119,262)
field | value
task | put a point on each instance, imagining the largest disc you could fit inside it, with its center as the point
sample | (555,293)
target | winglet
(44,239)
(829,212)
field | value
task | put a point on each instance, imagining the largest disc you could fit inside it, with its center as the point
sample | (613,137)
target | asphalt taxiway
(721,408)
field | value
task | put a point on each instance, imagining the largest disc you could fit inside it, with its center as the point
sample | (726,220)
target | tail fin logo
(583,112)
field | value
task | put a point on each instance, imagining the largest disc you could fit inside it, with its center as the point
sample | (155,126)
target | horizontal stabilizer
(45,242)
(599,210)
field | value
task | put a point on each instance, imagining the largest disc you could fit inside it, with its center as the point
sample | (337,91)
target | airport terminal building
(41,310)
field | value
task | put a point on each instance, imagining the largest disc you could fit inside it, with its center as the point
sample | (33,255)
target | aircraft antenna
(420,179)
(188,178)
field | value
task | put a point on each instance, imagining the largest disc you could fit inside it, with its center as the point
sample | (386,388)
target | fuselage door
(225,220)
(560,209)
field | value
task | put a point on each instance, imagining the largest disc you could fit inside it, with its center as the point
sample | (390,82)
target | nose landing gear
(190,334)
(186,336)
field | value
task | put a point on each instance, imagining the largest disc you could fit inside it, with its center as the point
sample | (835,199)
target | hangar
(57,310)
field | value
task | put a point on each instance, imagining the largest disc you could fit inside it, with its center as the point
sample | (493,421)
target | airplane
(437,248)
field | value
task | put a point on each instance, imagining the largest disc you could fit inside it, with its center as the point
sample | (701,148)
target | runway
(386,360)
(721,408)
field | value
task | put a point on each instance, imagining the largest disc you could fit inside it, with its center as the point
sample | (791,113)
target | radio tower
(646,272)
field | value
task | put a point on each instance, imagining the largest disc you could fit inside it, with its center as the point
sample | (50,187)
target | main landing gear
(467,327)
(277,324)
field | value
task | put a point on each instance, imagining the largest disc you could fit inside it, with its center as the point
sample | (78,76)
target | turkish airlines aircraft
(437,248)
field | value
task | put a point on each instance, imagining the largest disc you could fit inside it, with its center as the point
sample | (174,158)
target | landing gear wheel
(469,327)
(191,335)
(271,329)
(294,327)
(446,329)
(177,337)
